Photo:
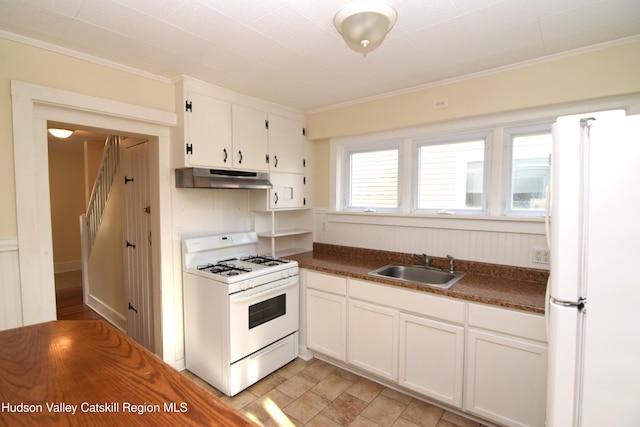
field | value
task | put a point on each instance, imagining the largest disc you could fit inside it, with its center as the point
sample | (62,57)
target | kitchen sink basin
(420,274)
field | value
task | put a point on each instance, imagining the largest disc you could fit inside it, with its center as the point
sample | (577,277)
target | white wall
(10,298)
(106,293)
(499,243)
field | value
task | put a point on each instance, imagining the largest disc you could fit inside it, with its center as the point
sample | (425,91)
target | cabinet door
(506,379)
(250,138)
(286,144)
(373,339)
(288,191)
(327,324)
(209,132)
(432,358)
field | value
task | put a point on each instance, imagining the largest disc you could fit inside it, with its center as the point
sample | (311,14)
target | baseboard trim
(113,317)
(66,266)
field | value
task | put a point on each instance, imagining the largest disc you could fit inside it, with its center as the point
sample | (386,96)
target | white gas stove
(240,310)
(231,259)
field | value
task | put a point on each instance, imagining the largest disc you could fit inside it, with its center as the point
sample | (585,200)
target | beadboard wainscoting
(505,241)
(10,296)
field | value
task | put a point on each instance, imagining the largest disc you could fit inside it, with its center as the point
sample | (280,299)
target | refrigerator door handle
(581,304)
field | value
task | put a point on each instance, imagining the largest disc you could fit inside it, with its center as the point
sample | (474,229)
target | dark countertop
(511,287)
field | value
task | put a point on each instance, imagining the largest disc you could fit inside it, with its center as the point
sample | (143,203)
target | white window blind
(373,179)
(451,175)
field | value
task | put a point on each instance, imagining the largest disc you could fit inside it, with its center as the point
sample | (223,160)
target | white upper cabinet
(287,142)
(250,138)
(220,129)
(207,131)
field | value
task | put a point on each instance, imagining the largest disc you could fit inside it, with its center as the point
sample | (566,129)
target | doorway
(32,107)
(117,277)
(73,163)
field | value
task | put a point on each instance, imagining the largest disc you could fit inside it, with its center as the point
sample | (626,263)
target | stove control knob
(251,283)
(243,286)
(284,274)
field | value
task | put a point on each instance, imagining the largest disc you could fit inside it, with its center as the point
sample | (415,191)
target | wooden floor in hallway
(69,301)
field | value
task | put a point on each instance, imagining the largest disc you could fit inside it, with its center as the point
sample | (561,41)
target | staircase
(91,220)
(101,190)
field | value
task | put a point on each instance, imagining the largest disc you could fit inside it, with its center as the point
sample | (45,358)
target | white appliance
(240,310)
(593,313)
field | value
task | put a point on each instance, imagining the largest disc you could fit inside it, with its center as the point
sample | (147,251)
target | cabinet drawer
(408,301)
(521,324)
(326,282)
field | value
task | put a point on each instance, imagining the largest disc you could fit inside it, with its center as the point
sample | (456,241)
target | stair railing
(100,191)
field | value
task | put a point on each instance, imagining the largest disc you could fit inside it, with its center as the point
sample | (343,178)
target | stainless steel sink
(419,274)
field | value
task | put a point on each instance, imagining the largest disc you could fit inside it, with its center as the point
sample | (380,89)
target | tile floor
(314,393)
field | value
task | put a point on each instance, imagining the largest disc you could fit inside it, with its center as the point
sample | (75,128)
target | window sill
(503,224)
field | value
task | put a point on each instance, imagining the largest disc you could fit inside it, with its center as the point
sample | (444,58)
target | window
(530,171)
(451,176)
(372,179)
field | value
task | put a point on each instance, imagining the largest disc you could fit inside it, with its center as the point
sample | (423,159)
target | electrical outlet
(541,255)
(440,103)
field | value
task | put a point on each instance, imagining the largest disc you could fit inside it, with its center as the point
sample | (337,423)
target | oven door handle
(240,299)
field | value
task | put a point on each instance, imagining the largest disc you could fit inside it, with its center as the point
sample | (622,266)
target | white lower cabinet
(432,358)
(506,366)
(489,361)
(327,314)
(373,339)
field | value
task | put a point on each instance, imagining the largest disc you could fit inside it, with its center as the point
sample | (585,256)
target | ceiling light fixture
(60,133)
(365,24)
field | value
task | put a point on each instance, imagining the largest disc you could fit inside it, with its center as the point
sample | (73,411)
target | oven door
(262,315)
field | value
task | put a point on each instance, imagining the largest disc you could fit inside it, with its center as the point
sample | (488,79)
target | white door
(137,241)
(611,376)
(286,144)
(432,358)
(373,339)
(250,138)
(327,324)
(209,132)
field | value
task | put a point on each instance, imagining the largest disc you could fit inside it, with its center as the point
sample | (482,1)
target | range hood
(221,178)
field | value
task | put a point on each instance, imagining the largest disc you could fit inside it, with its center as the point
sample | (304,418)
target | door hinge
(189,148)
(266,124)
(304,180)
(304,132)
(304,201)
(130,245)
(188,106)
(266,157)
(304,163)
(133,308)
(127,180)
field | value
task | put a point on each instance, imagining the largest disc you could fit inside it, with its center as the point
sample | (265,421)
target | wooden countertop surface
(509,287)
(85,372)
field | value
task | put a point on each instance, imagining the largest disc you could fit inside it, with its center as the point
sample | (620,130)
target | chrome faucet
(427,259)
(451,261)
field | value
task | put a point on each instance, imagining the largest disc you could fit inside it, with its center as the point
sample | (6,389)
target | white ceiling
(289,52)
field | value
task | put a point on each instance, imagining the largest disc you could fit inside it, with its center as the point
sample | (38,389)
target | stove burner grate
(223,268)
(265,260)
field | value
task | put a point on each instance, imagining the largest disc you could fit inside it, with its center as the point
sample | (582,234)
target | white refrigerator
(594,305)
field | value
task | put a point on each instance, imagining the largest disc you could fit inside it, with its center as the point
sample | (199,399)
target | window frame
(507,168)
(366,148)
